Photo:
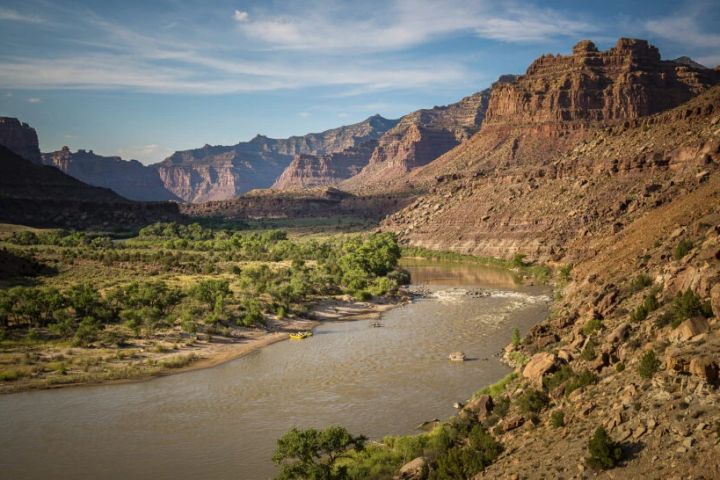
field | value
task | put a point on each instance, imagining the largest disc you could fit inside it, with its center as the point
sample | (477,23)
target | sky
(141,79)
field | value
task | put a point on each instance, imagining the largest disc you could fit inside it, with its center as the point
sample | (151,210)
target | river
(222,423)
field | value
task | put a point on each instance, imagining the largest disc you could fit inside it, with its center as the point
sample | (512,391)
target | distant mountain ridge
(223,172)
(129,178)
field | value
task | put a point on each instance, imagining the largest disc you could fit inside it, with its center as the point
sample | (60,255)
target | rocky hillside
(622,196)
(40,195)
(418,139)
(308,171)
(20,138)
(510,188)
(633,344)
(223,172)
(131,179)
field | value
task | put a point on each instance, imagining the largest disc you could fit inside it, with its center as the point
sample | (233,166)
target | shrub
(518,260)
(86,332)
(620,367)
(682,249)
(588,354)
(649,364)
(592,326)
(604,453)
(532,401)
(649,304)
(502,406)
(516,339)
(565,272)
(497,388)
(580,380)
(640,283)
(686,305)
(557,419)
(465,461)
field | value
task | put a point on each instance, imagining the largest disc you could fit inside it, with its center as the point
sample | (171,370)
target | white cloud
(241,16)
(34,100)
(14,16)
(406,23)
(305,114)
(683,30)
(343,115)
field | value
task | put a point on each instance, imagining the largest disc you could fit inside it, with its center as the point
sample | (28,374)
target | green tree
(604,453)
(516,339)
(312,454)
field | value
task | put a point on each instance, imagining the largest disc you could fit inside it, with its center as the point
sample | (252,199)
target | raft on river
(300,335)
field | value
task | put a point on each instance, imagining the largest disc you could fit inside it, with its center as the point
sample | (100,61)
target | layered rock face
(20,138)
(623,83)
(223,172)
(131,179)
(418,139)
(307,171)
(508,188)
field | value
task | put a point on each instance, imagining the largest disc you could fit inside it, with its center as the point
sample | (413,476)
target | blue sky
(142,79)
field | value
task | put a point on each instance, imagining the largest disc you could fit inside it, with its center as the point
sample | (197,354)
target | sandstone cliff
(306,171)
(496,193)
(20,138)
(223,172)
(418,139)
(129,178)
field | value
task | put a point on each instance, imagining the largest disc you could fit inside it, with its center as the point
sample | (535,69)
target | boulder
(675,362)
(619,333)
(512,423)
(416,469)
(715,300)
(481,406)
(705,368)
(690,328)
(540,364)
(457,357)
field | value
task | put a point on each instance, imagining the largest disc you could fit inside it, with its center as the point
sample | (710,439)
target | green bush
(518,260)
(532,401)
(502,406)
(588,354)
(640,283)
(592,326)
(649,365)
(564,272)
(682,249)
(604,453)
(516,339)
(687,305)
(463,462)
(557,419)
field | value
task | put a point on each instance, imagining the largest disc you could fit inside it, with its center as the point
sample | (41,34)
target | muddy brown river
(222,423)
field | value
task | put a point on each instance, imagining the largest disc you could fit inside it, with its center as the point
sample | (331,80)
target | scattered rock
(416,469)
(481,406)
(690,328)
(538,366)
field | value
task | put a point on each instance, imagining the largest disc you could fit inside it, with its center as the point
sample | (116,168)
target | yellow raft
(300,335)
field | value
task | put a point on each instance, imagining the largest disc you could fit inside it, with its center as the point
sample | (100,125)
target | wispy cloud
(407,23)
(9,15)
(305,114)
(34,100)
(684,30)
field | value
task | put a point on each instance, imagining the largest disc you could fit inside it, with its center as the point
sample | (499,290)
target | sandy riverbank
(147,359)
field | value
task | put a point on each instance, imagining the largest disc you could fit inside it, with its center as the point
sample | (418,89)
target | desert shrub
(620,367)
(564,272)
(687,305)
(640,283)
(592,326)
(649,364)
(502,406)
(516,339)
(86,332)
(588,354)
(518,260)
(557,419)
(465,461)
(532,401)
(580,380)
(604,453)
(682,249)
(649,304)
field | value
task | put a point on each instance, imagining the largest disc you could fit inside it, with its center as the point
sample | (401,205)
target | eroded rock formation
(20,138)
